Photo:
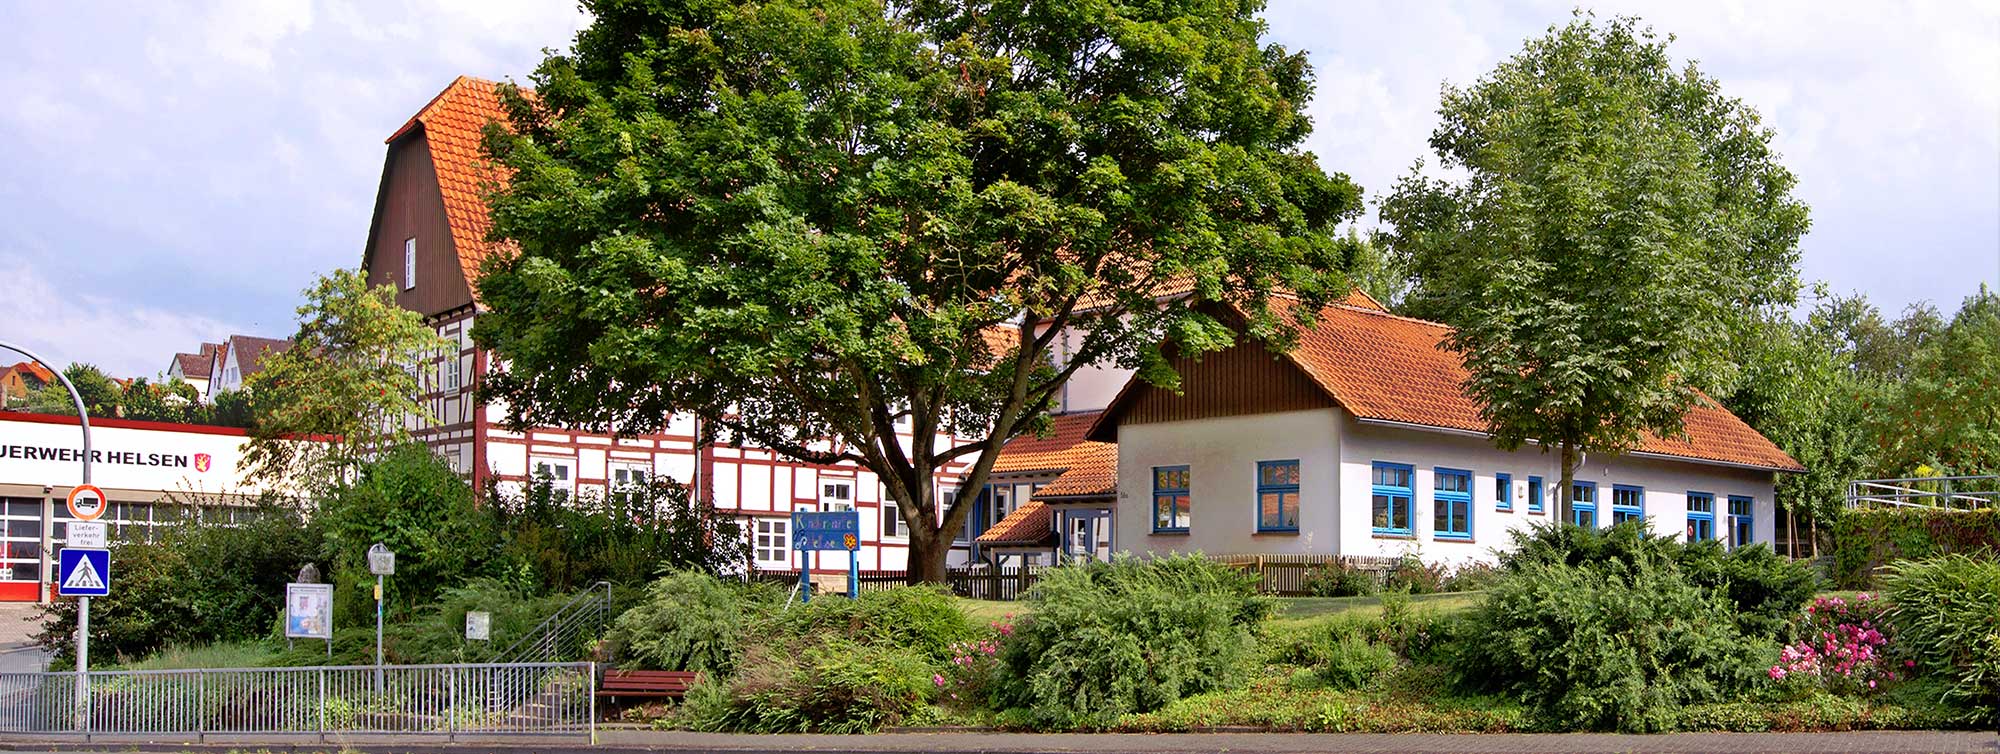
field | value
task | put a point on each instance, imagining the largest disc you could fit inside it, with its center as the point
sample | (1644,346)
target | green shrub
(1130,635)
(411,500)
(567,541)
(1864,540)
(1946,612)
(1765,589)
(196,582)
(688,621)
(1340,579)
(1471,577)
(1608,644)
(1411,575)
(925,619)
(1352,662)
(834,687)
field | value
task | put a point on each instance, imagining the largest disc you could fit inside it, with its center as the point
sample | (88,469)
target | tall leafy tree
(1946,414)
(808,222)
(1620,222)
(349,382)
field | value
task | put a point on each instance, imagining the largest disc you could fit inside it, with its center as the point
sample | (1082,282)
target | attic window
(409,263)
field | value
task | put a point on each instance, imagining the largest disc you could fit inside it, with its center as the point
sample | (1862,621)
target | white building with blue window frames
(1360,442)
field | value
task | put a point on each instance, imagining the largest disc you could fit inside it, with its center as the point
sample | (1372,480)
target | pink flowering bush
(966,681)
(1841,647)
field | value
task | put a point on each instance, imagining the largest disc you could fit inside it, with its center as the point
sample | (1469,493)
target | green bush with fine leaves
(1946,612)
(1105,639)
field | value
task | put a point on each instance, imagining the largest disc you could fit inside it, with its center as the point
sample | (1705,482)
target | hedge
(1865,540)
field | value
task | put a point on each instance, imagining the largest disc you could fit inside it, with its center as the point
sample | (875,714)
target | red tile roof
(251,352)
(1030,524)
(195,365)
(1383,367)
(29,369)
(1061,449)
(1094,475)
(452,125)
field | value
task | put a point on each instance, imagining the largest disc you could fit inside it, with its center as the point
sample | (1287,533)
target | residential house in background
(240,357)
(1361,441)
(195,369)
(19,378)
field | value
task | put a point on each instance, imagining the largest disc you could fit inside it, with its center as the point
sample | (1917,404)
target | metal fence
(1947,492)
(528,698)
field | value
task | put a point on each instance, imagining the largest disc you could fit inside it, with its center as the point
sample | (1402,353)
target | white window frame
(641,470)
(893,525)
(831,497)
(771,536)
(410,263)
(451,371)
(564,484)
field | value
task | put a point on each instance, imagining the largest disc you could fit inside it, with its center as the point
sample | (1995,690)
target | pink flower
(1777,672)
(1909,663)
(937,679)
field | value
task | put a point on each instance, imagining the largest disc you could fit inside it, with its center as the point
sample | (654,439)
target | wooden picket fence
(1287,575)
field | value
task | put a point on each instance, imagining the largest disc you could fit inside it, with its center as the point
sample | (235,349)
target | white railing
(1947,492)
(447,700)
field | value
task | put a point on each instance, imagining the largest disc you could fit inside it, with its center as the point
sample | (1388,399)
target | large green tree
(1619,224)
(1944,418)
(814,223)
(349,383)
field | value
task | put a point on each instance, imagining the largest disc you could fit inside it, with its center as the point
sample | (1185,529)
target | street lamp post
(83,603)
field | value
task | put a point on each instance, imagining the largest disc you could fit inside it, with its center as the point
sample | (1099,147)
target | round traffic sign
(86,502)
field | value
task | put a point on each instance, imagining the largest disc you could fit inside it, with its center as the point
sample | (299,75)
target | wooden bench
(656,684)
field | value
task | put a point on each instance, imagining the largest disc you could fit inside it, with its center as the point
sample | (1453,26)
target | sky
(177,172)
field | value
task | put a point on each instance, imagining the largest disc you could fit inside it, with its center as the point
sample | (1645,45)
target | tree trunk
(1566,487)
(1791,533)
(928,550)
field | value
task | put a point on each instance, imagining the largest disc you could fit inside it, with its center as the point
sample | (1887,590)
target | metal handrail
(440,699)
(1950,493)
(546,638)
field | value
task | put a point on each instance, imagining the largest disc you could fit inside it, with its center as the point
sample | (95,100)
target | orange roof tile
(1058,451)
(1094,475)
(1030,524)
(452,124)
(1383,367)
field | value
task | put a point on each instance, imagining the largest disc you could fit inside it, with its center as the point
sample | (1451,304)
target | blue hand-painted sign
(84,573)
(836,530)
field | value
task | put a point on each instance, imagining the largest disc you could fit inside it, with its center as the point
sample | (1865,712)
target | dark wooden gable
(1246,378)
(409,204)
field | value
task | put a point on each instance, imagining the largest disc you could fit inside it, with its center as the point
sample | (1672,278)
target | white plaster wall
(1336,455)
(1222,455)
(1666,484)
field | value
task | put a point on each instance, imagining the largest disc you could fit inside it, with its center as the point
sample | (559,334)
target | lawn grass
(1306,609)
(987,611)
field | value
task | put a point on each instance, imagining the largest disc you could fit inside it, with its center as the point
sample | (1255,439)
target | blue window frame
(1534,494)
(1503,492)
(1583,503)
(1278,495)
(1451,502)
(1742,513)
(1172,506)
(1628,503)
(1701,516)
(1392,495)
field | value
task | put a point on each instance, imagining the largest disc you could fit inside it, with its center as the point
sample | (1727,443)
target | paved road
(18,653)
(621,742)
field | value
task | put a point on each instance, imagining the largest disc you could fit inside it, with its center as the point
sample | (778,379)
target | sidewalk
(622,741)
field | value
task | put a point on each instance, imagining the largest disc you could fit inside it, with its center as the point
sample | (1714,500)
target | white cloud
(124,338)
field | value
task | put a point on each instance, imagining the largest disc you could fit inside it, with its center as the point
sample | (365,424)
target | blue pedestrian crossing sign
(84,573)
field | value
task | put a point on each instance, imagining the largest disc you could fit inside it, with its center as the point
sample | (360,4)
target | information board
(832,530)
